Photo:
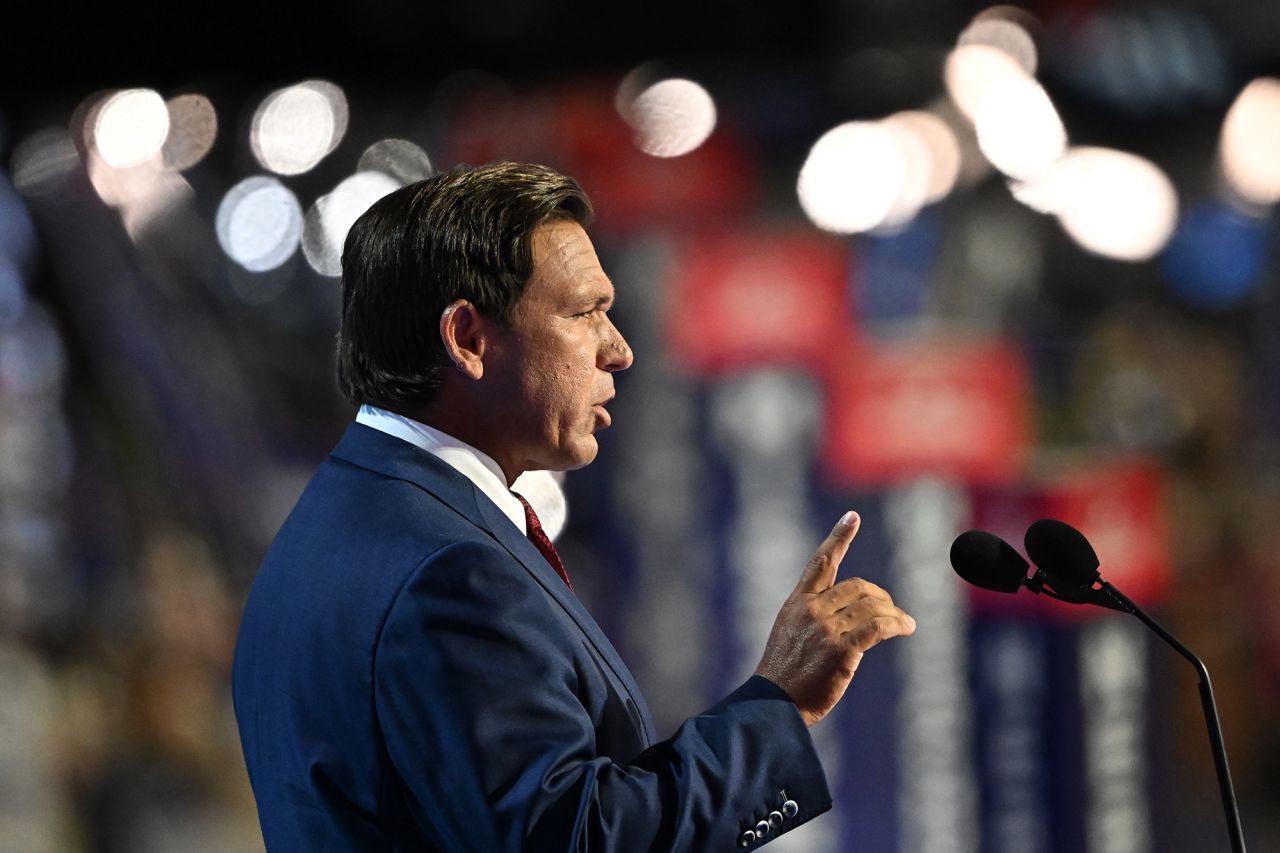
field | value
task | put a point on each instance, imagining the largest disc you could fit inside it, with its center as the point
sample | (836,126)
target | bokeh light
(193,126)
(672,117)
(636,81)
(917,165)
(852,178)
(1217,256)
(941,146)
(42,160)
(142,193)
(331,217)
(259,223)
(296,127)
(399,158)
(1250,146)
(1004,28)
(130,127)
(1112,203)
(1018,128)
(972,69)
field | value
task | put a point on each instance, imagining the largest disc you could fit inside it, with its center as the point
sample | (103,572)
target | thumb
(820,573)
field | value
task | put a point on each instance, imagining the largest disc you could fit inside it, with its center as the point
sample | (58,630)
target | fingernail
(849,519)
(911,623)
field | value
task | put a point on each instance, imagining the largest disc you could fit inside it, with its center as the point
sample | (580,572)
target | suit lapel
(375,450)
(519,546)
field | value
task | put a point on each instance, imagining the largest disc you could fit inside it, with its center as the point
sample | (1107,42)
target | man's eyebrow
(602,297)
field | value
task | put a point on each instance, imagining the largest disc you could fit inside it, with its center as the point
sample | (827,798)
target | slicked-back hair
(463,234)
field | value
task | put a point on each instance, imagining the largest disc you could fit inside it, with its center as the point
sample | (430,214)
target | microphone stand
(1081,590)
(1117,600)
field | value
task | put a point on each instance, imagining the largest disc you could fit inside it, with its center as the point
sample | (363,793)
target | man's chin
(583,453)
(586,454)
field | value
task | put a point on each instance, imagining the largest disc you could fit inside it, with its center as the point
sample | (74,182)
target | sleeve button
(746,839)
(790,808)
(775,819)
(762,829)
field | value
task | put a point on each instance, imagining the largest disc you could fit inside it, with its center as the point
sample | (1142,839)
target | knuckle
(871,589)
(865,588)
(872,632)
(849,586)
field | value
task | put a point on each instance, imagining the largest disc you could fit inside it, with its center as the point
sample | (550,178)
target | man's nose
(615,354)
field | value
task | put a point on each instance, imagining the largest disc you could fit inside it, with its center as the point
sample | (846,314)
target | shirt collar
(476,466)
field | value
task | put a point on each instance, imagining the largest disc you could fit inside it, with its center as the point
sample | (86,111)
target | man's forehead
(563,247)
(563,240)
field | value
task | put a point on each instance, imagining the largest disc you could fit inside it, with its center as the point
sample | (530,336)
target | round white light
(1018,128)
(1112,203)
(941,144)
(852,177)
(672,117)
(399,158)
(917,165)
(296,127)
(130,127)
(970,71)
(259,223)
(331,217)
(1250,146)
(193,125)
(1004,35)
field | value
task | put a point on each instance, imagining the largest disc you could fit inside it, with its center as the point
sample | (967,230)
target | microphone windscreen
(1062,552)
(984,559)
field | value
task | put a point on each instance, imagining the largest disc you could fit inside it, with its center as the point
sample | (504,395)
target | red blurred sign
(577,129)
(1120,509)
(758,299)
(1118,506)
(939,406)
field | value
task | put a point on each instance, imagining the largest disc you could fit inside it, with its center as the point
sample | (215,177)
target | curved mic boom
(1069,565)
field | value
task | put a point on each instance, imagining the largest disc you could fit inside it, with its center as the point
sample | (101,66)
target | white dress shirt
(477,467)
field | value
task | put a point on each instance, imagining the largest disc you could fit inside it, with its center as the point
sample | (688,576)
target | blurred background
(950,265)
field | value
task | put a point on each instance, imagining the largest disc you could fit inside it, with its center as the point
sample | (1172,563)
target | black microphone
(1071,567)
(984,559)
(1063,553)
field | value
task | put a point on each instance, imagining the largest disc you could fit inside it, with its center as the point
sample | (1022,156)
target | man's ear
(463,331)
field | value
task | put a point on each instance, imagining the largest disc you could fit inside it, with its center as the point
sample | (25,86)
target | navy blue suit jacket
(411,674)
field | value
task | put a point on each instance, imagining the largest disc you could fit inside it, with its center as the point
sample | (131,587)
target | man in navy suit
(414,671)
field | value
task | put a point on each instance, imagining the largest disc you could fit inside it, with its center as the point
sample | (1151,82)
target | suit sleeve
(478,697)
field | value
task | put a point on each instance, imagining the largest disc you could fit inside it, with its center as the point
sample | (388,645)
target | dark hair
(464,234)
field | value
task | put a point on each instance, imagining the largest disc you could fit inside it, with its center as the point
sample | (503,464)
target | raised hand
(824,628)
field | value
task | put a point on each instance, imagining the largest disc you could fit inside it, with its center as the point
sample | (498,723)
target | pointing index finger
(820,573)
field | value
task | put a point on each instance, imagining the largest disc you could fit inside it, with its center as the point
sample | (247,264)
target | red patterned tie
(542,541)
